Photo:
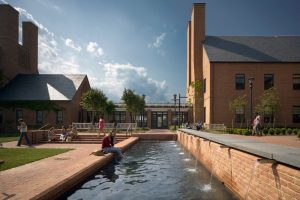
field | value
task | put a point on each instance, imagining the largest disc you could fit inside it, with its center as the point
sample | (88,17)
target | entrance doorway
(159,120)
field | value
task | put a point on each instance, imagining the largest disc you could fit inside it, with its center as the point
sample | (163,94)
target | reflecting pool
(153,170)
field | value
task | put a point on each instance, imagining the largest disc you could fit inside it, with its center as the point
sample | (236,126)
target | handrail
(44,126)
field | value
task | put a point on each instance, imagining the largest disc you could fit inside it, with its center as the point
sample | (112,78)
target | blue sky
(141,44)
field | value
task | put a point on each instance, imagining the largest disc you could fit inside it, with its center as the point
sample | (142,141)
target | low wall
(241,172)
(150,136)
(60,188)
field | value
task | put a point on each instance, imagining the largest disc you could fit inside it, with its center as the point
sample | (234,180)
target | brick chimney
(9,37)
(195,40)
(30,42)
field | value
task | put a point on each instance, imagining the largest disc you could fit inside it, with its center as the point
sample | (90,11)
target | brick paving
(27,181)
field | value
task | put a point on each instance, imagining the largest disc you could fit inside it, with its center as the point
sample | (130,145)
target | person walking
(23,132)
(101,125)
(257,125)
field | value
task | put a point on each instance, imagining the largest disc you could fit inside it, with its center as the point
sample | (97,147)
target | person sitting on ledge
(51,134)
(108,146)
(64,134)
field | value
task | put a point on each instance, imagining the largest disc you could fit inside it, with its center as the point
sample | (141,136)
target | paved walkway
(27,181)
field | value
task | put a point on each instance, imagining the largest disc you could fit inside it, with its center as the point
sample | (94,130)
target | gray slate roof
(42,87)
(253,48)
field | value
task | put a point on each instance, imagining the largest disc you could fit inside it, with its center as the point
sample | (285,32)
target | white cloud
(158,43)
(120,76)
(50,5)
(93,49)
(70,43)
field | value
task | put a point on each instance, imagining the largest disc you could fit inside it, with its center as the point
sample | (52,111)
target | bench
(83,126)
(217,127)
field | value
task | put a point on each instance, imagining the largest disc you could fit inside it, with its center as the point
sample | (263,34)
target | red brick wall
(241,173)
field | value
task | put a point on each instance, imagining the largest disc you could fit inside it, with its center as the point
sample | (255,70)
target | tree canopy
(134,103)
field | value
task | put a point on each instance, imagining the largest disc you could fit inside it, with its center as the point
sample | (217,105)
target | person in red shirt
(101,125)
(108,145)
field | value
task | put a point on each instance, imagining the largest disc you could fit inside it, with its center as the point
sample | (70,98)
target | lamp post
(180,116)
(175,99)
(251,81)
(143,110)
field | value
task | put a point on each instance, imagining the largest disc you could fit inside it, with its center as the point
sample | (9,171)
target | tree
(94,101)
(238,105)
(110,108)
(268,104)
(134,103)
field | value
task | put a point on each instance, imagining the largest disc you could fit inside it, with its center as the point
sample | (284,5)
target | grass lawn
(14,157)
(9,137)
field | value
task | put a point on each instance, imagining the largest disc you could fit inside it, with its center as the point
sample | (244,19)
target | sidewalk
(32,180)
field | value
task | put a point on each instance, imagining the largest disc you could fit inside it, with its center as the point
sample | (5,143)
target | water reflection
(153,171)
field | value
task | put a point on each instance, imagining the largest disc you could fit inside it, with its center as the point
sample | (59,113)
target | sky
(141,44)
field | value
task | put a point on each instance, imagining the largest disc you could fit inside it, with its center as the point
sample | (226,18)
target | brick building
(224,65)
(24,93)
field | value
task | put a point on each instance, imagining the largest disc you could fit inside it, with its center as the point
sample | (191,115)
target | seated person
(51,134)
(108,145)
(64,134)
(73,132)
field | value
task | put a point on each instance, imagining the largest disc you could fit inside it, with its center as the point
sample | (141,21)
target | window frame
(39,117)
(239,86)
(59,118)
(266,86)
(296,86)
(296,117)
(19,115)
(239,117)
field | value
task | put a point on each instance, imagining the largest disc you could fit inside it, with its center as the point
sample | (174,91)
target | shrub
(298,134)
(289,131)
(265,131)
(277,131)
(295,131)
(246,132)
(230,130)
(271,131)
(240,131)
(283,131)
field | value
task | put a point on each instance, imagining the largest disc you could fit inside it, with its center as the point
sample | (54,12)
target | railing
(217,127)
(109,126)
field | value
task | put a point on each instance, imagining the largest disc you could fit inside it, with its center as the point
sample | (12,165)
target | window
(240,81)
(120,116)
(240,114)
(59,116)
(39,117)
(268,81)
(268,116)
(19,115)
(204,85)
(296,114)
(296,81)
(1,117)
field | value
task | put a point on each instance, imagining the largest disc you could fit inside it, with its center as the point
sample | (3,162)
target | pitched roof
(42,87)
(253,48)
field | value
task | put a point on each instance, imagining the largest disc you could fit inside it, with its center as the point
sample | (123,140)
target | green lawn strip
(14,157)
(8,139)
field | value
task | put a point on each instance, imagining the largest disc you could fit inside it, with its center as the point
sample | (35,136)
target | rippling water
(153,170)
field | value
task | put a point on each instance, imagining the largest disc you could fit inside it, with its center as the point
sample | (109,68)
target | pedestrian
(64,134)
(51,134)
(257,125)
(23,132)
(101,125)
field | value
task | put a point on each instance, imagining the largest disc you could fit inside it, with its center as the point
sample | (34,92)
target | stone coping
(282,154)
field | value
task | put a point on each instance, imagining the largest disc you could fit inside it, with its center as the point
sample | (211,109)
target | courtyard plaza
(42,178)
